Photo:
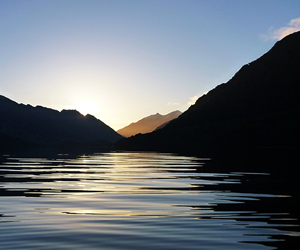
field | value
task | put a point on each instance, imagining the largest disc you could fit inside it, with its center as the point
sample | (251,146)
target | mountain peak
(71,112)
(148,124)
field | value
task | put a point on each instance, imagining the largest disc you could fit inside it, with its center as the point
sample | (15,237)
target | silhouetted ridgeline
(258,108)
(23,126)
(148,124)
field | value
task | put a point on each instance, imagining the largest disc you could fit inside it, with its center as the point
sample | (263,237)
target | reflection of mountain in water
(148,124)
(24,125)
(258,107)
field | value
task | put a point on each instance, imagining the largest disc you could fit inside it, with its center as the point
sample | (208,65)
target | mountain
(258,108)
(43,126)
(9,143)
(148,124)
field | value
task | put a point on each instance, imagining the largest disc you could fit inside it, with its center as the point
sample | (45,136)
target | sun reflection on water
(156,196)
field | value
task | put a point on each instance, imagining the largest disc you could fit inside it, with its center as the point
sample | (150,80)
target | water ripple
(138,200)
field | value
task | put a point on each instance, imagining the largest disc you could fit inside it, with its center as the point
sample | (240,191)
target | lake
(121,200)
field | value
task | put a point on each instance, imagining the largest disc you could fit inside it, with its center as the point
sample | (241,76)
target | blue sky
(122,60)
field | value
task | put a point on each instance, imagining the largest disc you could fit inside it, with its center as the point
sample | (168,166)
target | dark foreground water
(141,201)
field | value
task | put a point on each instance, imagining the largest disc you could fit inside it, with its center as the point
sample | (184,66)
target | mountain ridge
(258,107)
(44,126)
(148,123)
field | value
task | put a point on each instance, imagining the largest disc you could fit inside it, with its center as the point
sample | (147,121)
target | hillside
(258,107)
(44,126)
(148,124)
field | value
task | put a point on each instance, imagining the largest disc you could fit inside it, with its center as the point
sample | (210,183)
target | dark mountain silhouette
(44,126)
(9,143)
(258,108)
(148,124)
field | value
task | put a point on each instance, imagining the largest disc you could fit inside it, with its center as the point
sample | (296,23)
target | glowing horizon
(121,61)
(86,107)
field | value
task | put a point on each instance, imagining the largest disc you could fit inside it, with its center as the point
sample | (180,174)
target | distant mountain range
(148,124)
(258,108)
(24,125)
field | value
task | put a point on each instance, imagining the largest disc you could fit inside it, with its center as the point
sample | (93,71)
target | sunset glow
(86,107)
(121,61)
(149,124)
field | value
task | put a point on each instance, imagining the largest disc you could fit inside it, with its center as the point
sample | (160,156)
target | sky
(122,60)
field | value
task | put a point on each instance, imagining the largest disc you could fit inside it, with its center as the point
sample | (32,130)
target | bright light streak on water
(136,201)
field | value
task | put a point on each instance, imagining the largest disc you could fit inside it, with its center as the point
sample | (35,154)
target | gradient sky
(122,60)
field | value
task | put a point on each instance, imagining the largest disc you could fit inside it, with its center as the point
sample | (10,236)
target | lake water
(140,201)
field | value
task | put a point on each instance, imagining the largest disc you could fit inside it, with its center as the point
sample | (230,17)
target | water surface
(140,201)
